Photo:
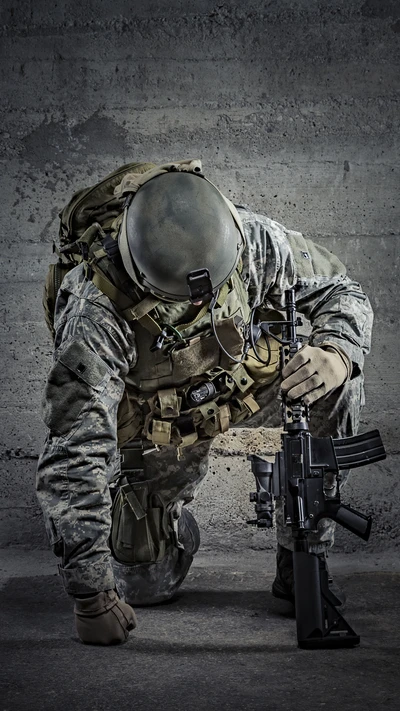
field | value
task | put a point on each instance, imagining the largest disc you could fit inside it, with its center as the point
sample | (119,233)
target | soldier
(154,357)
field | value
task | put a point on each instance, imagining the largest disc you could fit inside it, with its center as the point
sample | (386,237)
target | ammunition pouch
(223,398)
(210,403)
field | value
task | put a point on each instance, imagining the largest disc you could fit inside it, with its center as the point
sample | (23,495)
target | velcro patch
(86,364)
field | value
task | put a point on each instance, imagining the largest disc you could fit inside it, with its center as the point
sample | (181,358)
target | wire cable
(253,343)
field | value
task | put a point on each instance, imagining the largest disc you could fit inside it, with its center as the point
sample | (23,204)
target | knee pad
(152,583)
(188,532)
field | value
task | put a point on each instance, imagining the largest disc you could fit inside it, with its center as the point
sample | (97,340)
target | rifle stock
(319,624)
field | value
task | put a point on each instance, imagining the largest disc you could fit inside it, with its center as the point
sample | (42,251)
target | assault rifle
(297,475)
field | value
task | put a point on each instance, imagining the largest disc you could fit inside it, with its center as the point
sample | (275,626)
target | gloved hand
(313,372)
(103,618)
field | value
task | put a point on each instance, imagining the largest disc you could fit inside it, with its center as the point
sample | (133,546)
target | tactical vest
(157,402)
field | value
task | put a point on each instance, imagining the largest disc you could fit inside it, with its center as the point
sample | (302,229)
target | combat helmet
(177,232)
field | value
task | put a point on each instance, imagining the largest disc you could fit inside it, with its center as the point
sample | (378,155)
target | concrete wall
(293,107)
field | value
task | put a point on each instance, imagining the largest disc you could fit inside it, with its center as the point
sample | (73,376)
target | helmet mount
(200,287)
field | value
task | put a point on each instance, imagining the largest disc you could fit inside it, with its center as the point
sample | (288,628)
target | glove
(313,372)
(103,618)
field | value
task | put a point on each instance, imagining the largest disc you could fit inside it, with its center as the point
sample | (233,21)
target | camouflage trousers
(177,482)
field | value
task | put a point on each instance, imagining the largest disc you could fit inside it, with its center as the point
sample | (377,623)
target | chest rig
(182,387)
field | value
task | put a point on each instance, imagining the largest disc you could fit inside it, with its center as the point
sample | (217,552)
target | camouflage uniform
(96,344)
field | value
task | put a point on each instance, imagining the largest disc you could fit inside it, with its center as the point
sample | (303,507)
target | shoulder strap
(128,309)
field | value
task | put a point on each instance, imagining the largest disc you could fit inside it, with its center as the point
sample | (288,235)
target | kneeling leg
(153,537)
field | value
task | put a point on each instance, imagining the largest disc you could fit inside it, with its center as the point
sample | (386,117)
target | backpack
(89,211)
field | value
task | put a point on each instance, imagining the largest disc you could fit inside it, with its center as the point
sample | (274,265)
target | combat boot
(103,618)
(283,585)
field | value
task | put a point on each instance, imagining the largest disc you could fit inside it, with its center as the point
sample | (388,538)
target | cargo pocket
(73,381)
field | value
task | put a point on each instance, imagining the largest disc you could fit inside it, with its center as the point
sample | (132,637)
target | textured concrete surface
(225,643)
(293,107)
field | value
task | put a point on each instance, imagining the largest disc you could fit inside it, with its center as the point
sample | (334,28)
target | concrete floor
(225,643)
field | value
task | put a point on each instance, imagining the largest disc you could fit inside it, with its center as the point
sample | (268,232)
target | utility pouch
(199,356)
(140,531)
